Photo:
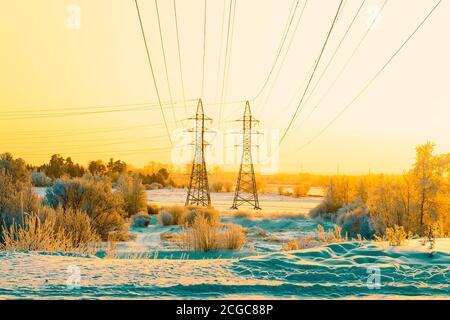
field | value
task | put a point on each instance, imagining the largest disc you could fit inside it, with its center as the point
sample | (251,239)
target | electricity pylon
(198,194)
(245,192)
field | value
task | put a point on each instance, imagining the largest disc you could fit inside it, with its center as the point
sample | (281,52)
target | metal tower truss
(198,193)
(245,191)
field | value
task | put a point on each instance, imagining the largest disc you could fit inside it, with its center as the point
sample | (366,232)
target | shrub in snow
(39,179)
(339,193)
(152,209)
(216,186)
(396,236)
(94,196)
(173,215)
(16,197)
(291,245)
(210,214)
(133,194)
(141,220)
(202,236)
(301,190)
(355,220)
(165,218)
(320,213)
(233,237)
(154,186)
(305,242)
(319,238)
(52,230)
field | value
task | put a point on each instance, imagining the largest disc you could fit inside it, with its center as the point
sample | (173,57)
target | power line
(153,74)
(346,64)
(334,53)
(233,24)
(118,152)
(80,145)
(59,133)
(360,93)
(179,56)
(57,115)
(165,61)
(226,59)
(313,73)
(204,51)
(221,47)
(59,109)
(284,59)
(294,96)
(288,25)
(47,141)
(68,110)
(37,115)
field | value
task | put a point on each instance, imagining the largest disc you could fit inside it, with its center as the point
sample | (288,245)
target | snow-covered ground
(337,271)
(270,203)
(149,268)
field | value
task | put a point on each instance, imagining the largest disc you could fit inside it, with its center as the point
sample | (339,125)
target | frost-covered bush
(173,215)
(233,237)
(51,230)
(202,236)
(95,197)
(210,214)
(15,168)
(396,236)
(39,179)
(355,220)
(16,200)
(140,220)
(339,192)
(165,218)
(133,193)
(321,213)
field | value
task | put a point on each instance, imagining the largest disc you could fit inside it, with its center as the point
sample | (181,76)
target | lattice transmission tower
(198,194)
(246,192)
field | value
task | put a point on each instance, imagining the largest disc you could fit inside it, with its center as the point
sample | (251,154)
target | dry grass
(256,214)
(320,237)
(243,214)
(181,216)
(395,236)
(304,242)
(261,232)
(201,235)
(273,239)
(51,231)
(167,236)
(233,237)
(210,214)
(173,215)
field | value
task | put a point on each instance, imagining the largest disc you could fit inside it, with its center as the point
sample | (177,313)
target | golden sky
(88,92)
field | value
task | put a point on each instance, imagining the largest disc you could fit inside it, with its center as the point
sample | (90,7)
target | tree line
(46,174)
